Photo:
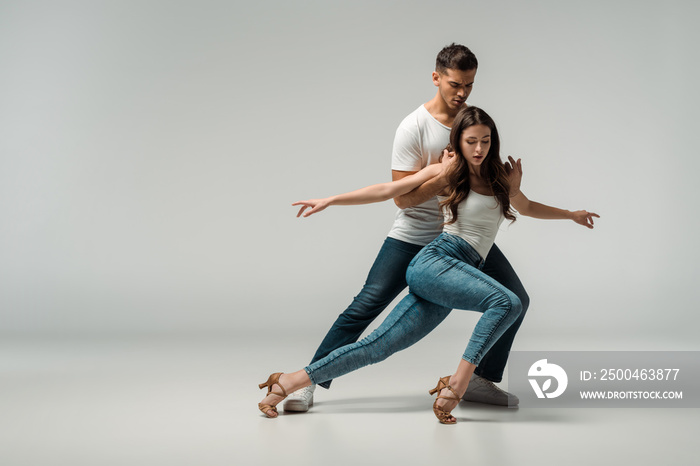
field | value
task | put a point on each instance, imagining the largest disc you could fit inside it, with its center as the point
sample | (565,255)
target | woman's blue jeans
(444,275)
(387,278)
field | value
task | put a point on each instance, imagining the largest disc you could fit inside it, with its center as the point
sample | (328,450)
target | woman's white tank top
(478,220)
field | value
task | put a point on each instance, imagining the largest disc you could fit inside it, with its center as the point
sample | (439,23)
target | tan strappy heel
(274,379)
(440,413)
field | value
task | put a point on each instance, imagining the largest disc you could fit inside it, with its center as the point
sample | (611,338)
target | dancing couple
(454,192)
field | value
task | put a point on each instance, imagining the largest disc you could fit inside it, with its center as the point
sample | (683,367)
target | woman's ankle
(459,384)
(294,381)
(460,379)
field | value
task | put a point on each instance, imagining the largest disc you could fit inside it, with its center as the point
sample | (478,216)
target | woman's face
(475,143)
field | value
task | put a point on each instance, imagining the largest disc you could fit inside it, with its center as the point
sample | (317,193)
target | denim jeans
(446,273)
(387,278)
(493,363)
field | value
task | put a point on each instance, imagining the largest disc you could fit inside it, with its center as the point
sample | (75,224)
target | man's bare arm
(422,193)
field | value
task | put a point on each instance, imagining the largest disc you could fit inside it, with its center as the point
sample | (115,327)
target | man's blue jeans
(446,272)
(387,278)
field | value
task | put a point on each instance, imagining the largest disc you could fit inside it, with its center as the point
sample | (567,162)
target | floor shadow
(465,412)
(376,404)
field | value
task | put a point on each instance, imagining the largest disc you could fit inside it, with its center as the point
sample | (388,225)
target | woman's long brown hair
(491,169)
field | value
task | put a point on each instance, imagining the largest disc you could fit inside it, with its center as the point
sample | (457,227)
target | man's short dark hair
(455,57)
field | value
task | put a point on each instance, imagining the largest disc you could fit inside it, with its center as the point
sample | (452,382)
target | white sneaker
(481,390)
(301,400)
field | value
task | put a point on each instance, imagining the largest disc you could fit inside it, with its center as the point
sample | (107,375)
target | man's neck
(440,111)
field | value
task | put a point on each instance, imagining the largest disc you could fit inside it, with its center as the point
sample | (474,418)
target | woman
(447,271)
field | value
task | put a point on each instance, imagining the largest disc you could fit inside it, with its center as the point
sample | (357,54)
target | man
(419,141)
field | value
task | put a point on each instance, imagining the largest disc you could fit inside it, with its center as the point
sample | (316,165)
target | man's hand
(514,171)
(447,159)
(430,188)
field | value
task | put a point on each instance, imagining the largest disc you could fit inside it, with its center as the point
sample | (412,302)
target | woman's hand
(316,205)
(514,171)
(584,218)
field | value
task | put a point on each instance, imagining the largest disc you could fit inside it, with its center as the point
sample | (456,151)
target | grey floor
(192,401)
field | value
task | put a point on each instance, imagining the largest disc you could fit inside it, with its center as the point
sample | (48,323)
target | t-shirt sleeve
(406,154)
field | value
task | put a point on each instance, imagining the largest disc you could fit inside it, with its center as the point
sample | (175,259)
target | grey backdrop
(149,153)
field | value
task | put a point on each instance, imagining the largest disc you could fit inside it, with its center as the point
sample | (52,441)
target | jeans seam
(461,265)
(359,344)
(397,250)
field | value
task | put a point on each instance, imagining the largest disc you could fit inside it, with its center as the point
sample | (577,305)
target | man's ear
(436,78)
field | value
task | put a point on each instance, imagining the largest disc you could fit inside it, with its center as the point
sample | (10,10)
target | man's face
(454,86)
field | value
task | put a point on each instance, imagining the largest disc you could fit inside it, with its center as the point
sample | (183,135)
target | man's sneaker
(301,400)
(481,390)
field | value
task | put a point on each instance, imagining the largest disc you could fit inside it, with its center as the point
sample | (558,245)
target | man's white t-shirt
(419,141)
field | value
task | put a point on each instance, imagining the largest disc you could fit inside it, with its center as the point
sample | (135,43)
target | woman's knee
(510,304)
(516,305)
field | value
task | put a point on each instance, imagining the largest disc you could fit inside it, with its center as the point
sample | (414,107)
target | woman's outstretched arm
(370,194)
(428,190)
(537,210)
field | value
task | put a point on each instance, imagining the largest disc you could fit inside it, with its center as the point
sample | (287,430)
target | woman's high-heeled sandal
(442,415)
(274,379)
